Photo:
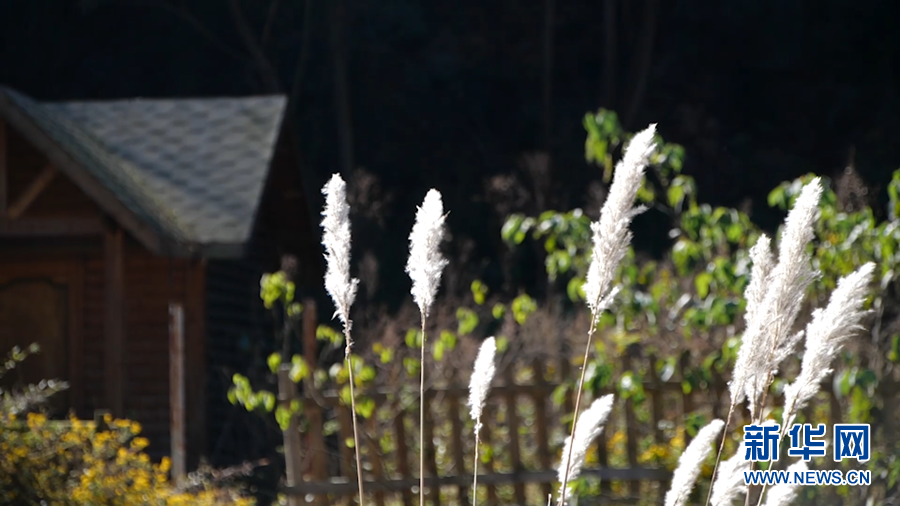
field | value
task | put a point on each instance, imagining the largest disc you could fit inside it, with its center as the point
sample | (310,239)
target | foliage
(74,462)
(15,401)
(695,291)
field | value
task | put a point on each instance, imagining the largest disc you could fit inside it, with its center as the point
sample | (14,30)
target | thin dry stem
(475,472)
(587,352)
(359,469)
(422,417)
(712,479)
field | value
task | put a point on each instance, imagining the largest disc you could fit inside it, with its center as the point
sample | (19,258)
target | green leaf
(522,307)
(411,365)
(449,339)
(675,195)
(268,400)
(274,361)
(479,291)
(414,338)
(467,321)
(326,333)
(232,396)
(498,311)
(283,417)
(502,344)
(366,374)
(299,369)
(365,406)
(438,350)
(701,282)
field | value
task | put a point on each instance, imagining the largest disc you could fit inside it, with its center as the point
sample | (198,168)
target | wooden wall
(150,283)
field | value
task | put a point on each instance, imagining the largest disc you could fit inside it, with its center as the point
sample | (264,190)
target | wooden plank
(312,409)
(76,338)
(489,465)
(348,486)
(32,192)
(512,417)
(434,491)
(657,399)
(287,393)
(375,457)
(114,321)
(540,423)
(631,435)
(402,450)
(687,401)
(345,434)
(177,393)
(457,438)
(4,168)
(54,227)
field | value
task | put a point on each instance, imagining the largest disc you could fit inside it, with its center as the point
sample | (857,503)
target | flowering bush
(72,462)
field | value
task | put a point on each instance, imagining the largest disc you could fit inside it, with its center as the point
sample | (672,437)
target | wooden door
(40,303)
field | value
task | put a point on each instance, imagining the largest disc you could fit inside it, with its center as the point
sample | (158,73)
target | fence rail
(521,421)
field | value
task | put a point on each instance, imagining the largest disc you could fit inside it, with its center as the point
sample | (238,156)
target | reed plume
(611,237)
(690,463)
(424,267)
(479,386)
(575,450)
(340,286)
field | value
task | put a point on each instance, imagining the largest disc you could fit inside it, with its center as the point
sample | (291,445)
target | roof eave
(71,168)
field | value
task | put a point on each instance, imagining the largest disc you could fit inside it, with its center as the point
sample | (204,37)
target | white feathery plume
(611,233)
(425,260)
(729,484)
(690,462)
(480,383)
(424,267)
(826,334)
(761,256)
(590,425)
(787,288)
(478,390)
(784,494)
(611,237)
(336,239)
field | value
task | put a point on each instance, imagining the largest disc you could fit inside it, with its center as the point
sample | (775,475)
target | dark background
(451,94)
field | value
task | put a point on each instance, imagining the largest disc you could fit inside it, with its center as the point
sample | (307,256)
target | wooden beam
(177,392)
(68,227)
(103,196)
(347,486)
(4,163)
(114,321)
(195,355)
(31,193)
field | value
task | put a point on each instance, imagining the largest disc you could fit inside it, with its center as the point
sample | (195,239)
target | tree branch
(269,76)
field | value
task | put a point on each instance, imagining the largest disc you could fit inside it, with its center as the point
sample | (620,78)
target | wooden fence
(523,425)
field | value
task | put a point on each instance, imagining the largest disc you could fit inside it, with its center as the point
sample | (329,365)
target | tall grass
(774,296)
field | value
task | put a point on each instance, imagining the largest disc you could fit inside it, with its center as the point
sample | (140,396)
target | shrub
(74,462)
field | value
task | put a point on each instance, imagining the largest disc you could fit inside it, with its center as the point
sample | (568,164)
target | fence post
(176,391)
(457,431)
(312,410)
(540,413)
(631,441)
(287,393)
(513,422)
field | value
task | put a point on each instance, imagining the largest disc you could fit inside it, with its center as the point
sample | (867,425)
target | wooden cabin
(110,211)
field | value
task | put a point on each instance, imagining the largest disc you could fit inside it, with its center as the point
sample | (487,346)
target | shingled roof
(190,172)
